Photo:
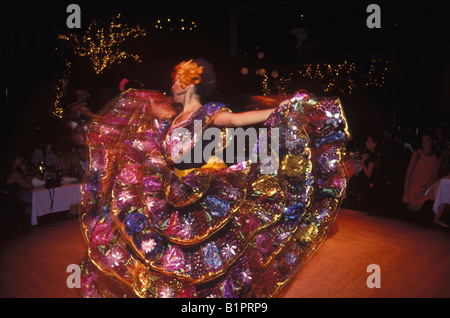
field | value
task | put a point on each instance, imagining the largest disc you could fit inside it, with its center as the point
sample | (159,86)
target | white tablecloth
(442,192)
(63,197)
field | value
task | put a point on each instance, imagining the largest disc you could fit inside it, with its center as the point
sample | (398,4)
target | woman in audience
(422,172)
(16,188)
(16,179)
(365,183)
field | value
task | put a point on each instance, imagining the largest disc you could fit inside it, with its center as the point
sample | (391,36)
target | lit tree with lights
(102,45)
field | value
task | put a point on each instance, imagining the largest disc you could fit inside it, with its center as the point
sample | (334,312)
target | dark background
(414,38)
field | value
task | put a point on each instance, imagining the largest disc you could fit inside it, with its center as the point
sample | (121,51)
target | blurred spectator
(443,147)
(399,164)
(386,151)
(37,156)
(408,150)
(81,160)
(369,161)
(67,165)
(422,172)
(15,187)
(43,153)
(79,116)
(51,158)
(15,178)
(366,183)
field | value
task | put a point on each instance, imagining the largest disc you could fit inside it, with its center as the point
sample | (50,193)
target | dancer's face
(178,92)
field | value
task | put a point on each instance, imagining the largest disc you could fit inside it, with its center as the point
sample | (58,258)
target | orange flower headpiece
(189,73)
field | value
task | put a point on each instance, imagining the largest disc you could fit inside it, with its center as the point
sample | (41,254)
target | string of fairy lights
(175,24)
(346,76)
(382,67)
(60,89)
(343,77)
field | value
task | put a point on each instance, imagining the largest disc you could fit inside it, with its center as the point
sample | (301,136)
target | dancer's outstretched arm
(226,119)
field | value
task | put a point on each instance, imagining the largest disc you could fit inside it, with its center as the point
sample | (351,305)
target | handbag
(53,180)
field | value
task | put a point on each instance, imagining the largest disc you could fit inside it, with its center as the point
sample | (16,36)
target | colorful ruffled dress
(218,230)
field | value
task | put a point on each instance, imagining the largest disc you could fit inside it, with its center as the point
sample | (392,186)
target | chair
(12,212)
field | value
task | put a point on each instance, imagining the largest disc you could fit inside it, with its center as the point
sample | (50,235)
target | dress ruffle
(213,231)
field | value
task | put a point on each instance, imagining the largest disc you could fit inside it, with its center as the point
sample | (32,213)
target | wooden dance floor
(414,260)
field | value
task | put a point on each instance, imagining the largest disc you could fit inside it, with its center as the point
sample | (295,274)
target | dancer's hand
(286,101)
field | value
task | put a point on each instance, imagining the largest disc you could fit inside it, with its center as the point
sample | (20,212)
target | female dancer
(156,228)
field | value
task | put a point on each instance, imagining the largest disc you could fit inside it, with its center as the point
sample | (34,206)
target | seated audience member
(38,155)
(43,153)
(15,177)
(16,185)
(66,165)
(422,172)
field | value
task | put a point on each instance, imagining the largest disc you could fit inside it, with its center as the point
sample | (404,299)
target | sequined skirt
(214,231)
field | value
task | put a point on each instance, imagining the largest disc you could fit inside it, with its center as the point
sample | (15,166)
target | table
(441,190)
(63,197)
